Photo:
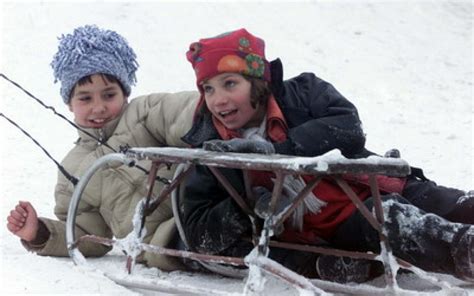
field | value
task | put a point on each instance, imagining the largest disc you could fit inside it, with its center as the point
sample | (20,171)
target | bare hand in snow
(23,221)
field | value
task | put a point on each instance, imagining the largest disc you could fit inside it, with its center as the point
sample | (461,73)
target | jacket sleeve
(319,117)
(56,243)
(88,221)
(155,120)
(213,221)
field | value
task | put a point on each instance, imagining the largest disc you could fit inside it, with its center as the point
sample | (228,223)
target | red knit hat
(237,51)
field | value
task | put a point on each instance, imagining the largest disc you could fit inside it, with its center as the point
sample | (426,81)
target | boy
(96,69)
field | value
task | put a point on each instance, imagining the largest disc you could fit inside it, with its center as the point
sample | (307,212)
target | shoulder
(167,104)
(305,83)
(140,106)
(178,98)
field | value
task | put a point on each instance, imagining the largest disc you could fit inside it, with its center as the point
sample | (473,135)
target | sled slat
(330,163)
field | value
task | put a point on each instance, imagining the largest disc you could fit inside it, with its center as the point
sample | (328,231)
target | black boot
(463,254)
(343,269)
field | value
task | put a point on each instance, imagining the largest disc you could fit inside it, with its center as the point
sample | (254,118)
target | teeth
(225,113)
(98,120)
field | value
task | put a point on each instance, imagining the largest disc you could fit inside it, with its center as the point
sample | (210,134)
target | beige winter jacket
(109,200)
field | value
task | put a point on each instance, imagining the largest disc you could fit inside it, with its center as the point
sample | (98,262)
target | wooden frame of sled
(323,166)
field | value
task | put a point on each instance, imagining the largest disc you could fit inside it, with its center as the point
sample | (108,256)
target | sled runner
(330,165)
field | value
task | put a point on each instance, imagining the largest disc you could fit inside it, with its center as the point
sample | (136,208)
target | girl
(96,68)
(246,106)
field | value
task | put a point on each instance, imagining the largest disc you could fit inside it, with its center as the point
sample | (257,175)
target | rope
(100,141)
(68,176)
(55,112)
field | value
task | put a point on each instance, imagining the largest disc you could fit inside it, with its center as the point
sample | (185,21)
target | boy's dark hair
(106,77)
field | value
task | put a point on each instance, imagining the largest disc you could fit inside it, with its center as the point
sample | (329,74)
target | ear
(69,105)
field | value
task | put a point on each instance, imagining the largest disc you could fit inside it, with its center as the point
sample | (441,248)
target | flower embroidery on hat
(244,42)
(255,65)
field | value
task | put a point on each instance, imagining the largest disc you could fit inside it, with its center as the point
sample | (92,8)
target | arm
(23,222)
(319,117)
(154,120)
(170,119)
(212,219)
(44,236)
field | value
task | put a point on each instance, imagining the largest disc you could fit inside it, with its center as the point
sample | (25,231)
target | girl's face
(94,104)
(227,97)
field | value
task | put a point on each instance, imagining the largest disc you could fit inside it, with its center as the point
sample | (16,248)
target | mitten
(262,205)
(239,145)
(392,153)
(263,198)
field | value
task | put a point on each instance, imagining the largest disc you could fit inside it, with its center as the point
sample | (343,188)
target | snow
(407,65)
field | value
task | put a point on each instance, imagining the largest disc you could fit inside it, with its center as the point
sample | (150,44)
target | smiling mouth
(224,114)
(98,120)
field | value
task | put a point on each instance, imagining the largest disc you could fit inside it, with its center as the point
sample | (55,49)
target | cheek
(116,108)
(244,103)
(209,105)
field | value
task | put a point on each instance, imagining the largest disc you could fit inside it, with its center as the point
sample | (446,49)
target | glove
(239,145)
(262,206)
(392,153)
(263,198)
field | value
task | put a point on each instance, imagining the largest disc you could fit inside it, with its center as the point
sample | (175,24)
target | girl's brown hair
(259,91)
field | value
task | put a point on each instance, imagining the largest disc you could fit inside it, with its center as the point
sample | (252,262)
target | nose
(220,97)
(98,107)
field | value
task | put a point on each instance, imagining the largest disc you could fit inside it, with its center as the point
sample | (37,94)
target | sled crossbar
(328,164)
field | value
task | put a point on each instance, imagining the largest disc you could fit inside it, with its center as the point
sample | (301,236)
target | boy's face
(94,104)
(227,97)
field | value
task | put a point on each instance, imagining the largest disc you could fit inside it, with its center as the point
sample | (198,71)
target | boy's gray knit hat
(91,50)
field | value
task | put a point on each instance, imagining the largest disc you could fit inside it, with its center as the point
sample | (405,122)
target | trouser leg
(414,235)
(452,204)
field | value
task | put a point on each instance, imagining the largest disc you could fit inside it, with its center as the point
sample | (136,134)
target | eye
(110,95)
(207,89)
(84,98)
(229,83)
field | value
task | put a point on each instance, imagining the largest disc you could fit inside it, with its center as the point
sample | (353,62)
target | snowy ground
(407,65)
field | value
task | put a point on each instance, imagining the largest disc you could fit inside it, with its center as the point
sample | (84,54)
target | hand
(23,221)
(262,205)
(392,153)
(263,199)
(239,145)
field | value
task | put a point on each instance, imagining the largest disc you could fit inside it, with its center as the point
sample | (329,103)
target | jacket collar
(98,136)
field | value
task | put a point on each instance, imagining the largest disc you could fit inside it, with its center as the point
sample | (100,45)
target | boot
(343,269)
(463,254)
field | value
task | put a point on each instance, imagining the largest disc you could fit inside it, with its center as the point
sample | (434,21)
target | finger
(215,146)
(11,220)
(16,215)
(26,205)
(21,211)
(12,228)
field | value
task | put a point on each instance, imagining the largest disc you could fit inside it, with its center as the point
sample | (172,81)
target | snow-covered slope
(407,65)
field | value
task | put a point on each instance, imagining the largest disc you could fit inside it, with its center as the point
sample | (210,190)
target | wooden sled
(330,165)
